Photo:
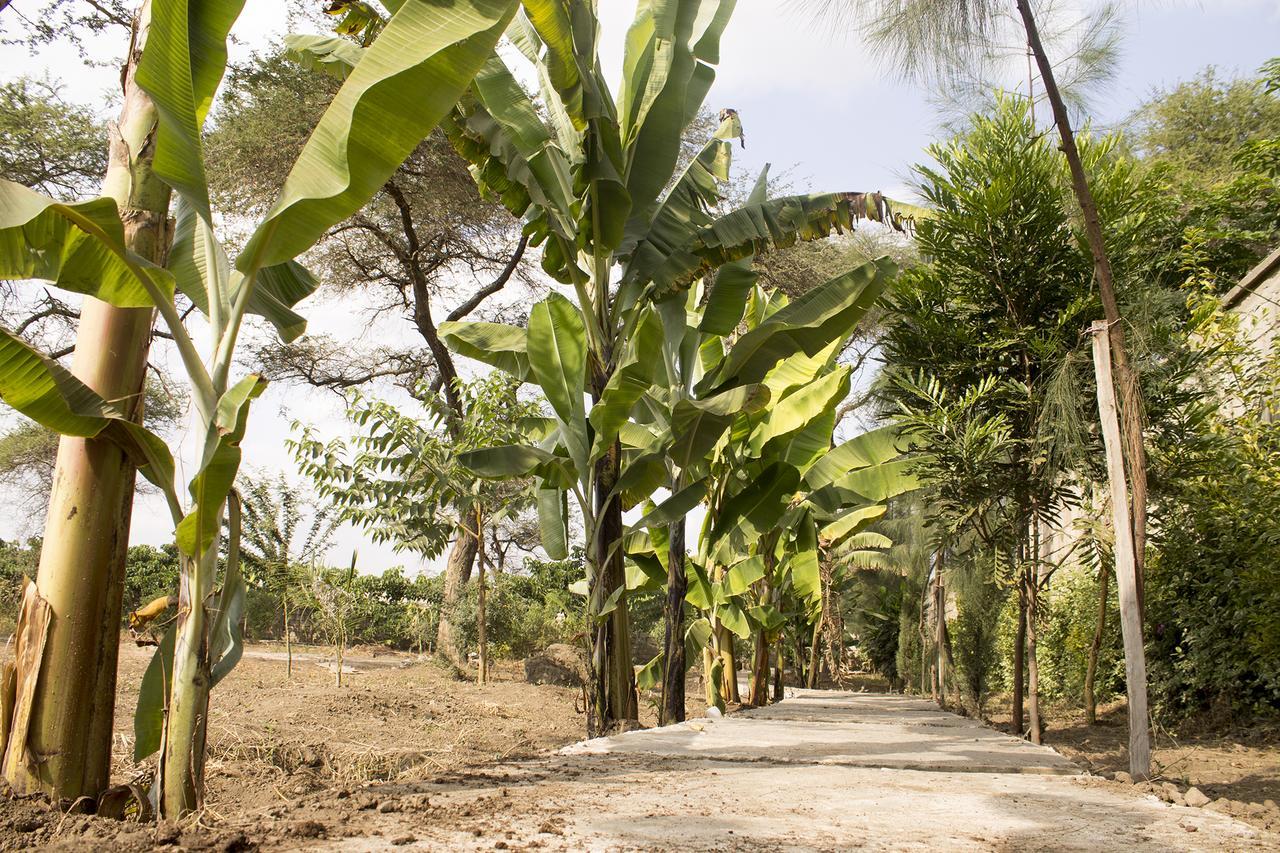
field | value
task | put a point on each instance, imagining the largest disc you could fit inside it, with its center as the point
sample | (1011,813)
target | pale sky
(811,100)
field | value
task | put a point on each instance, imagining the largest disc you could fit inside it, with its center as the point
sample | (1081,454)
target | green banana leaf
(78,247)
(495,344)
(426,56)
(809,324)
(558,362)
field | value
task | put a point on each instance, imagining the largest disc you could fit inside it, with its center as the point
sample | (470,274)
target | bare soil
(1222,760)
(407,753)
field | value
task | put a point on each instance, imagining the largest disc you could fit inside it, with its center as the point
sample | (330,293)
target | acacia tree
(426,238)
(381,112)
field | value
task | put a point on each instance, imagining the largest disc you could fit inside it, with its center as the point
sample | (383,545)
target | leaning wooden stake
(482,672)
(1135,663)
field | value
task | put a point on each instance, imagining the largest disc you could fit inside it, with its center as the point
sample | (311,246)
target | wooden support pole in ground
(1135,663)
(482,673)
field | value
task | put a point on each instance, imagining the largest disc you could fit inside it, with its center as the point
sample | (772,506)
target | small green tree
(274,548)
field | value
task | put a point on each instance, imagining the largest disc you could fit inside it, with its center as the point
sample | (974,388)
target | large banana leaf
(331,55)
(46,392)
(733,282)
(212,483)
(870,448)
(495,344)
(181,67)
(77,247)
(809,324)
(668,62)
(696,425)
(425,57)
(553,516)
(757,228)
(558,362)
(802,407)
(675,507)
(755,509)
(633,376)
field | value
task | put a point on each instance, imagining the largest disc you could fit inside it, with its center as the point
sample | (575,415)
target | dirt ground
(1236,763)
(405,753)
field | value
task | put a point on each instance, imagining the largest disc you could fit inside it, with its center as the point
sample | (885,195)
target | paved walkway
(822,770)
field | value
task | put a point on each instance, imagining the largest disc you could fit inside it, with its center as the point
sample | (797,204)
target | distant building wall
(1257,300)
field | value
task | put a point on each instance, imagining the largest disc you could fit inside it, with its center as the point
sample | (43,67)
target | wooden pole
(1135,664)
(483,672)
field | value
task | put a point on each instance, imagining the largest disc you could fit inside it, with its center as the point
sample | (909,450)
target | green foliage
(875,603)
(1217,144)
(400,477)
(973,635)
(48,144)
(528,611)
(1213,593)
(150,572)
(1067,625)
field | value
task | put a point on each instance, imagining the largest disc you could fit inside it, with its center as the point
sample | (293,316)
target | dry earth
(406,756)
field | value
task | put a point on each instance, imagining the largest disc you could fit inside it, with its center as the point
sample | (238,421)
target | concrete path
(821,770)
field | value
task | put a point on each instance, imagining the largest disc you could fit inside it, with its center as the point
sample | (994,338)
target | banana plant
(409,77)
(587,172)
(768,474)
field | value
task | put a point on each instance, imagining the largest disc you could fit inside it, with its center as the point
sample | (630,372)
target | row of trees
(664,372)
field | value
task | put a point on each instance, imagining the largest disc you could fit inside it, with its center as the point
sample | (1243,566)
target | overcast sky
(811,100)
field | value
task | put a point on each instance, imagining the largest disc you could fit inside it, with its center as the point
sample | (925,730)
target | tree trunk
(615,684)
(1019,644)
(811,677)
(1095,647)
(457,572)
(482,672)
(1134,454)
(760,672)
(1033,666)
(1135,662)
(940,630)
(779,673)
(67,718)
(673,675)
(728,665)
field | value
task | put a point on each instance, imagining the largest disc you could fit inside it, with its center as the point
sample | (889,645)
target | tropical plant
(274,548)
(380,110)
(400,478)
(591,188)
(931,38)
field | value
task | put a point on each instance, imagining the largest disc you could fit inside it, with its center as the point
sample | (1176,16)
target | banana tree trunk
(729,665)
(614,694)
(457,572)
(673,677)
(482,672)
(811,676)
(63,746)
(759,694)
(182,751)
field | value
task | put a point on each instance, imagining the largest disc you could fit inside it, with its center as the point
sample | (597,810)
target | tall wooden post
(1135,662)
